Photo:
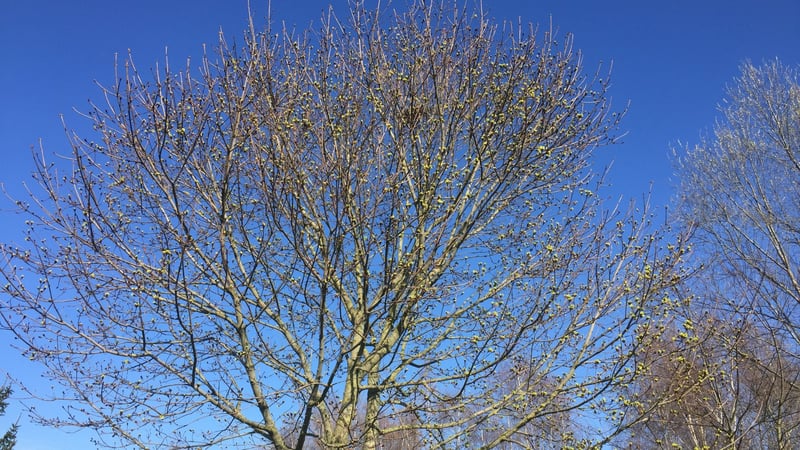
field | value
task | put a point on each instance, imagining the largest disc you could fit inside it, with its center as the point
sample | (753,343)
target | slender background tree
(736,377)
(383,227)
(739,191)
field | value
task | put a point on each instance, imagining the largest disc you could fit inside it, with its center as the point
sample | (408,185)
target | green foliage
(9,439)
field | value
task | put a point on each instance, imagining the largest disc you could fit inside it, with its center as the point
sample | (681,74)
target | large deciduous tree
(383,227)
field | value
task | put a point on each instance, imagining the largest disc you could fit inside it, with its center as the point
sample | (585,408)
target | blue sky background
(671,61)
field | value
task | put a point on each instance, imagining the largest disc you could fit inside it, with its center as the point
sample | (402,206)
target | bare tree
(739,192)
(715,385)
(555,429)
(339,237)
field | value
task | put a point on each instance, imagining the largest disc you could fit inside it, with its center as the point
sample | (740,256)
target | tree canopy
(383,227)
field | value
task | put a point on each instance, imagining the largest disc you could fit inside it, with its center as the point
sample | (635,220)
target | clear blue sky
(671,61)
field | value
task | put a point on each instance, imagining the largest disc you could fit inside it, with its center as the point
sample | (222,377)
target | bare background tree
(383,227)
(739,190)
(736,380)
(717,385)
